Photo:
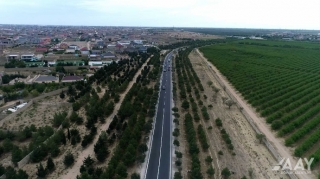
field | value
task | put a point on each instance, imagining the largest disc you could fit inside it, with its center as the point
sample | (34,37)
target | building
(108,55)
(69,79)
(84,51)
(13,57)
(75,47)
(70,50)
(143,50)
(41,50)
(46,79)
(27,57)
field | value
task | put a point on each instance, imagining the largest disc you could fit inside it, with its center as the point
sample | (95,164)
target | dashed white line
(161,143)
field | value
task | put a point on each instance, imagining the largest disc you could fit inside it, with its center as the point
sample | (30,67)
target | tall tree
(50,164)
(41,173)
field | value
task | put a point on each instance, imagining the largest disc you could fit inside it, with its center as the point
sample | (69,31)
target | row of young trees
(224,134)
(187,82)
(129,125)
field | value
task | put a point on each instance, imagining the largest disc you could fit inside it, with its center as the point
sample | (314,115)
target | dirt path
(260,122)
(75,169)
(248,154)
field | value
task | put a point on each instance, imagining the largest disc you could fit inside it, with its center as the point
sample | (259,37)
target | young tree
(210,171)
(68,159)
(209,83)
(176,143)
(177,175)
(50,164)
(226,173)
(260,137)
(135,176)
(121,170)
(69,136)
(41,173)
(185,105)
(62,95)
(178,154)
(98,89)
(63,138)
(208,159)
(100,148)
(88,162)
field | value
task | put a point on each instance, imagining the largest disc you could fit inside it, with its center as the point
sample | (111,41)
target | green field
(282,81)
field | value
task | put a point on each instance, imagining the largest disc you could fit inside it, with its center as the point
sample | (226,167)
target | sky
(264,14)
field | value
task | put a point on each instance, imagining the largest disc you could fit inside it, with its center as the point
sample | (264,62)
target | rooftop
(67,78)
(46,78)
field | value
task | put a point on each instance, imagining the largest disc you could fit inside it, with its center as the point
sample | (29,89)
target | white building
(27,57)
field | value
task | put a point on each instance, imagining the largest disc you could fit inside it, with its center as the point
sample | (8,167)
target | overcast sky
(280,14)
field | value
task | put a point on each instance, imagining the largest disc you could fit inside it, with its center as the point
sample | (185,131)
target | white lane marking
(161,144)
(154,126)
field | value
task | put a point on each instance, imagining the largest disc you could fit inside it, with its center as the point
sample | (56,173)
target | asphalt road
(159,163)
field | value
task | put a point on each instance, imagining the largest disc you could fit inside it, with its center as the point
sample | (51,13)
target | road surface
(159,161)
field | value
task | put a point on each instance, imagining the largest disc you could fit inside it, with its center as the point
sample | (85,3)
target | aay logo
(285,166)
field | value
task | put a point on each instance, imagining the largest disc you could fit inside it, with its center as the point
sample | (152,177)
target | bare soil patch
(250,155)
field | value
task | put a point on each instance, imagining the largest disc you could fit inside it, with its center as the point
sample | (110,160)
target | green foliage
(100,148)
(176,143)
(7,145)
(68,159)
(176,132)
(41,172)
(177,175)
(208,159)
(50,165)
(135,176)
(280,80)
(218,122)
(203,137)
(178,154)
(210,171)
(185,105)
(62,95)
(226,173)
(58,118)
(13,174)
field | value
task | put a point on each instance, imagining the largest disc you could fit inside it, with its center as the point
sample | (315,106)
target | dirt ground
(40,113)
(250,154)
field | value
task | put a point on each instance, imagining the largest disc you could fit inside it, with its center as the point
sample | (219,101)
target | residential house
(13,57)
(108,55)
(75,47)
(143,50)
(69,79)
(70,50)
(63,46)
(119,48)
(84,51)
(41,50)
(27,57)
(96,52)
(130,50)
(46,79)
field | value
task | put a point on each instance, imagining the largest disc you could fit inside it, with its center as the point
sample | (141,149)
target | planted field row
(280,80)
(224,134)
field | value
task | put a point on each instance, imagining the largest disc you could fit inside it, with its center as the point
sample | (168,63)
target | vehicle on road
(163,87)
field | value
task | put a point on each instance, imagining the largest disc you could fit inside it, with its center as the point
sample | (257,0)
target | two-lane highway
(159,162)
